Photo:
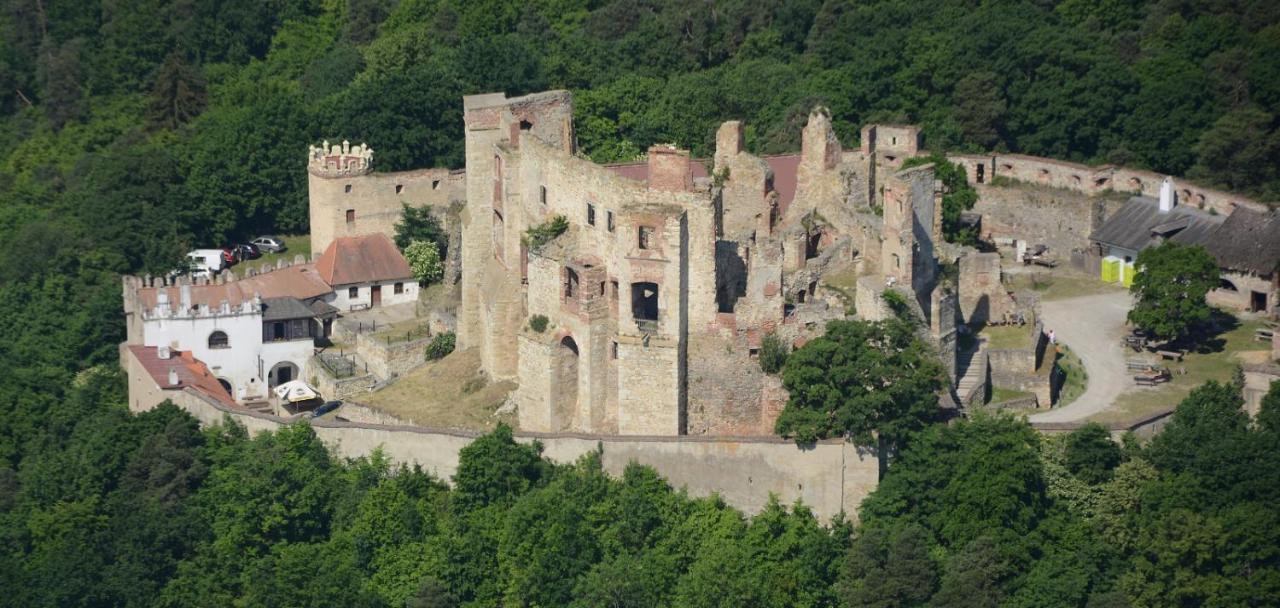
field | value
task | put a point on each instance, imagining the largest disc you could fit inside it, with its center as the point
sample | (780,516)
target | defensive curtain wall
(829,476)
(349,199)
(983,168)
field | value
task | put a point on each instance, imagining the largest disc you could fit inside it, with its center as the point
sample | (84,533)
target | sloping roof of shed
(1248,241)
(1133,225)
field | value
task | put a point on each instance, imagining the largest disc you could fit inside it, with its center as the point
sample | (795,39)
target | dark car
(328,406)
(247,251)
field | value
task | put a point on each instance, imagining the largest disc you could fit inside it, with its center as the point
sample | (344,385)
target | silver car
(269,243)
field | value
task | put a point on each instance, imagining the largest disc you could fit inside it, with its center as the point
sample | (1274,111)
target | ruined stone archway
(564,384)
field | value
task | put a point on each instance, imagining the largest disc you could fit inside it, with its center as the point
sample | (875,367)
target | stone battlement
(339,160)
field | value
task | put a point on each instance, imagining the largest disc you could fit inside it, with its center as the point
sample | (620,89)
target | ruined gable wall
(1061,219)
(983,296)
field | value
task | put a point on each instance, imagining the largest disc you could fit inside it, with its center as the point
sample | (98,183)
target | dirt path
(1091,326)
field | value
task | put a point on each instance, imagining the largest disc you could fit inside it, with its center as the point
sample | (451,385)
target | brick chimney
(669,169)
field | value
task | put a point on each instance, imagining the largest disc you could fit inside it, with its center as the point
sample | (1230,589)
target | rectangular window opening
(608,217)
(399,288)
(645,237)
(353,292)
(591,214)
(351,215)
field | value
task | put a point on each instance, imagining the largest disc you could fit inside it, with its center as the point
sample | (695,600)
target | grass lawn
(1000,395)
(1001,337)
(449,393)
(1076,378)
(1060,285)
(1218,362)
(844,282)
(294,245)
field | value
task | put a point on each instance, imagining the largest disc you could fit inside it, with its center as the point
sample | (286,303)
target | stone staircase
(972,387)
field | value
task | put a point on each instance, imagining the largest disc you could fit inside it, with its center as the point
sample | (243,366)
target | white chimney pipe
(1167,199)
(173,376)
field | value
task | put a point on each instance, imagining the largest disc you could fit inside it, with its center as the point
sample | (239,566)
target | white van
(205,262)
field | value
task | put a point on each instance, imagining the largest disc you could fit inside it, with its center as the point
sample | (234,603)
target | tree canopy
(1169,289)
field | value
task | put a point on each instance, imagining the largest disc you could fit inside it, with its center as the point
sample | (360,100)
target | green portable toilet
(1111,269)
(1128,274)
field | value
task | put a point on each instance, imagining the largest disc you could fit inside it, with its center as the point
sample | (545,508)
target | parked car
(229,256)
(205,262)
(269,243)
(328,406)
(248,251)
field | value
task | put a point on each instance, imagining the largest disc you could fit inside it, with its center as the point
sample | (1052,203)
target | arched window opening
(218,339)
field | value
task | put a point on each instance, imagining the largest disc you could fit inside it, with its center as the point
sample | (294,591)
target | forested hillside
(136,129)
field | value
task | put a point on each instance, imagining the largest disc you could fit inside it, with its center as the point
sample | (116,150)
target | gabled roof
(1139,222)
(298,281)
(1248,241)
(191,372)
(369,258)
(279,309)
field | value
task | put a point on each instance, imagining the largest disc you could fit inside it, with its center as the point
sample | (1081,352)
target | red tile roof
(369,258)
(299,281)
(192,373)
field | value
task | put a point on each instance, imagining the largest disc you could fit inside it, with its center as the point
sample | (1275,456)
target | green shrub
(441,345)
(537,236)
(773,354)
(538,323)
(424,261)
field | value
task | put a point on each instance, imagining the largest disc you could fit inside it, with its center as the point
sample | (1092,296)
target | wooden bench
(360,306)
(1170,354)
(1136,365)
(1264,334)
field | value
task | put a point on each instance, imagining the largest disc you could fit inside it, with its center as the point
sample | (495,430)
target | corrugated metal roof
(370,258)
(1134,225)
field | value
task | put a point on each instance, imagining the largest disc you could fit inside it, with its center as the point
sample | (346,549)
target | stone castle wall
(830,477)
(372,202)
(982,168)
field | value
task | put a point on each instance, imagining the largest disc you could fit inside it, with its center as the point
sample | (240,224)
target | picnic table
(1176,355)
(1135,342)
(1152,377)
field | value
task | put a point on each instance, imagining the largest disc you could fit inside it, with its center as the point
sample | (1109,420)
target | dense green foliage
(875,383)
(957,197)
(139,129)
(773,353)
(424,260)
(535,237)
(417,224)
(441,345)
(1169,290)
(538,323)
